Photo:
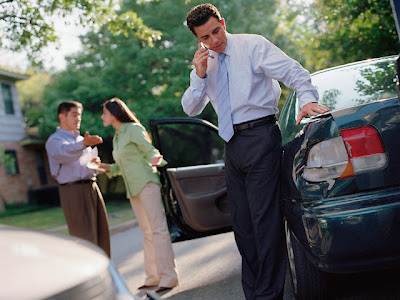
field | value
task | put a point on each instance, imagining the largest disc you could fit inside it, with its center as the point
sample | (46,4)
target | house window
(7,96)
(10,162)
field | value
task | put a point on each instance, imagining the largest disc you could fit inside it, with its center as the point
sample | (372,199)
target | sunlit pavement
(209,268)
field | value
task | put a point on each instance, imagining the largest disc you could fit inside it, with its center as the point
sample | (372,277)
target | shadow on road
(230,288)
(367,286)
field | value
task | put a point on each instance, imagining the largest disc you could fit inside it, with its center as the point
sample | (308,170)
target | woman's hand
(101,168)
(96,160)
(156,161)
(105,167)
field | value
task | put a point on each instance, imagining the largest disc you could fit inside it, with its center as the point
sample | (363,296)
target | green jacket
(132,154)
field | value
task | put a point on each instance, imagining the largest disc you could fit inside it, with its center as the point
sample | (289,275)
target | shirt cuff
(163,163)
(114,170)
(307,97)
(81,145)
(198,83)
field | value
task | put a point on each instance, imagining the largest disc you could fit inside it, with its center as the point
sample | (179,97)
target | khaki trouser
(86,214)
(159,262)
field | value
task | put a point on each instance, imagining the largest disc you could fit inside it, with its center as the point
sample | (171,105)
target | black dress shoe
(162,289)
(145,286)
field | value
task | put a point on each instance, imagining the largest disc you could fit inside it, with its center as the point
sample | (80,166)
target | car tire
(308,282)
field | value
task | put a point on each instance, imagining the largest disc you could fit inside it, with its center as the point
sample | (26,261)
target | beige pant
(159,262)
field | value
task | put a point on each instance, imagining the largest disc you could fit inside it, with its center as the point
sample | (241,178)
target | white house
(25,168)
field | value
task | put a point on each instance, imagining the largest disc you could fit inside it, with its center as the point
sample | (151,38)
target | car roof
(371,60)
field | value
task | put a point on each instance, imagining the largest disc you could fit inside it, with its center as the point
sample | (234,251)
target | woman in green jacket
(136,160)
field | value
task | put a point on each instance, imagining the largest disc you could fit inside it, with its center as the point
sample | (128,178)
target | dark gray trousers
(252,159)
(85,213)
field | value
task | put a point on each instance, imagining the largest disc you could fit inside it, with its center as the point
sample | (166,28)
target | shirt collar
(68,132)
(123,127)
(228,49)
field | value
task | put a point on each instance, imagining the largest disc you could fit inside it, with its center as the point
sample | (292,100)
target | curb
(123,226)
(113,229)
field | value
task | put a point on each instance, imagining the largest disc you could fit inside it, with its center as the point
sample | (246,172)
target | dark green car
(340,177)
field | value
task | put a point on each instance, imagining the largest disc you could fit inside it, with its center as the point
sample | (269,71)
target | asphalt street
(209,268)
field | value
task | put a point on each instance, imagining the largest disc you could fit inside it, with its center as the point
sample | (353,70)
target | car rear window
(357,83)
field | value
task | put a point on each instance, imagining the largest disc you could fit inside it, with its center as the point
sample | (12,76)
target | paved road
(209,268)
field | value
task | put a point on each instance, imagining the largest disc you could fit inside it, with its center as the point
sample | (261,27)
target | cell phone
(212,56)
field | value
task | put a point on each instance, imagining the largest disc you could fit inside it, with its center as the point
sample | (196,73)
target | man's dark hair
(66,106)
(200,14)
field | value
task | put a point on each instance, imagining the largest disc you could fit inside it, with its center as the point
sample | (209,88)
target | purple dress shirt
(64,149)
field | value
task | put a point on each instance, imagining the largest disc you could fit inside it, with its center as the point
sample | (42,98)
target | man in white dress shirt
(253,146)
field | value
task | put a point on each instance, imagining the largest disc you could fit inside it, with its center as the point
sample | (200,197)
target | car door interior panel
(201,194)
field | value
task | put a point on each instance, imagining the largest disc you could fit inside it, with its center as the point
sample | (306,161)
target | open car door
(194,188)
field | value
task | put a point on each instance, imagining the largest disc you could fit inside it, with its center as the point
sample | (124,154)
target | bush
(45,196)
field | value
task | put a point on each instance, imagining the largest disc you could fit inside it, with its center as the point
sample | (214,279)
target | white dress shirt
(255,66)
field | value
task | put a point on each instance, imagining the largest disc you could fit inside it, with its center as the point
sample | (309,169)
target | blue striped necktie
(225,125)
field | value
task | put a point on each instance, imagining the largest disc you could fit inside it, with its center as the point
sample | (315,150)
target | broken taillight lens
(357,150)
(365,148)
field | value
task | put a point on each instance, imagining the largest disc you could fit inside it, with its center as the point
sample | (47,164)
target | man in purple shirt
(80,197)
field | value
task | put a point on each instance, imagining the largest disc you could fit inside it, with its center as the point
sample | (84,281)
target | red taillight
(357,150)
(365,149)
(362,141)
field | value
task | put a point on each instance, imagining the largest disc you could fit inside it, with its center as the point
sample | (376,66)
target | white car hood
(37,265)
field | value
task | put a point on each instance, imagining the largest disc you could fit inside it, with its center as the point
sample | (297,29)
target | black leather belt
(254,123)
(82,181)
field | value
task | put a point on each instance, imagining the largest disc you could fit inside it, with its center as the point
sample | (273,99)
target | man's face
(71,121)
(212,34)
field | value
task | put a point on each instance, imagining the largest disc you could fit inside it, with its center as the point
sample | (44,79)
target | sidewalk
(123,226)
(113,229)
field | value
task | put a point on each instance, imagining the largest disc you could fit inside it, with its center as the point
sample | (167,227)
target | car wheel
(308,281)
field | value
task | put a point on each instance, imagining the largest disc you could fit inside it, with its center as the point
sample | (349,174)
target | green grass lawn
(118,211)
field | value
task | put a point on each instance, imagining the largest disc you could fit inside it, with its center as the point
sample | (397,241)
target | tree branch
(6,1)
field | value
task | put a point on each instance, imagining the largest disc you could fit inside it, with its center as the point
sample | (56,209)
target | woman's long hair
(122,113)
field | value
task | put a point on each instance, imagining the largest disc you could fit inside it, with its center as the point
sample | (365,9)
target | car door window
(190,145)
(287,119)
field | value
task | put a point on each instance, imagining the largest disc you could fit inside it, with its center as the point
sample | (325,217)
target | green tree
(29,24)
(377,82)
(30,93)
(7,160)
(151,80)
(332,32)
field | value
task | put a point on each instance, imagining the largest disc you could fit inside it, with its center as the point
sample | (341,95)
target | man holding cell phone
(241,82)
